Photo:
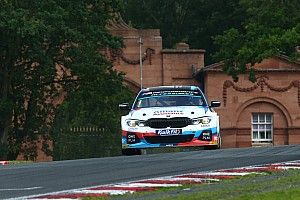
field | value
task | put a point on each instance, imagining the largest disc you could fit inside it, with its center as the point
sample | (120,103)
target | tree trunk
(4,96)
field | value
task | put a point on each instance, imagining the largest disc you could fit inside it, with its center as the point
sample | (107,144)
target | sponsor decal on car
(169,132)
(166,112)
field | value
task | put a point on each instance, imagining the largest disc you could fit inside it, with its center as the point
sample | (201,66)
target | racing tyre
(131,152)
(215,146)
(220,143)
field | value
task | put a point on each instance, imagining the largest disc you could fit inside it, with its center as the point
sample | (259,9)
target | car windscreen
(169,98)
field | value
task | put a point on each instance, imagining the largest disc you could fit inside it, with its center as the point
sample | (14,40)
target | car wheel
(131,152)
(215,146)
(220,142)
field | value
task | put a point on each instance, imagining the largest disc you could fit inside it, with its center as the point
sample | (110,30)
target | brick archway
(271,101)
(281,120)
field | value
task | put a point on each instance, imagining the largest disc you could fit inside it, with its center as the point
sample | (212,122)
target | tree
(47,47)
(237,32)
(192,21)
(168,16)
(94,104)
(270,28)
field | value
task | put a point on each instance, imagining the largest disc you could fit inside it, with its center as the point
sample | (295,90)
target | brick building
(160,66)
(266,112)
(252,114)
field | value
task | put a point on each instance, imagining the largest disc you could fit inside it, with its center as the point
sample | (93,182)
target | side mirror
(124,106)
(214,104)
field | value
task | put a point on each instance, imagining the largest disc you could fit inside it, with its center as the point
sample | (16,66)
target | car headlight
(201,120)
(141,123)
(131,123)
(134,123)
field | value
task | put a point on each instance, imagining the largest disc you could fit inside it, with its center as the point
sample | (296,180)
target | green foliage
(192,21)
(3,151)
(94,104)
(88,142)
(270,28)
(238,32)
(37,38)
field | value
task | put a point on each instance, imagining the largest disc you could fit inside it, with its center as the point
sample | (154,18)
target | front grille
(176,122)
(169,139)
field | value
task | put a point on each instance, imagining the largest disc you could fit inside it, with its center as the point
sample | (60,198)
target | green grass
(283,185)
(279,185)
(288,194)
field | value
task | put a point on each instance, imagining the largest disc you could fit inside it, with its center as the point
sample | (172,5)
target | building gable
(278,63)
(275,63)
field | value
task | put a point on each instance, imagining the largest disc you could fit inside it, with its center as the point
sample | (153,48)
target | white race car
(170,116)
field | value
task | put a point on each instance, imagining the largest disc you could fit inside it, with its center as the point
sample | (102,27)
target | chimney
(182,46)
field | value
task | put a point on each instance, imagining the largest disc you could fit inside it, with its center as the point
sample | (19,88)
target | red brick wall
(164,66)
(41,155)
(152,68)
(180,64)
(277,92)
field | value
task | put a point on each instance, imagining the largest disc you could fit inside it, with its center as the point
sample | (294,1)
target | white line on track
(288,167)
(151,185)
(224,173)
(111,192)
(19,189)
(200,180)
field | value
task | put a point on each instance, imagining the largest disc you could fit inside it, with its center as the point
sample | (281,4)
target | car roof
(170,88)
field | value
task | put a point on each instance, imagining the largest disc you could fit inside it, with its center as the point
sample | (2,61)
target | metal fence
(86,142)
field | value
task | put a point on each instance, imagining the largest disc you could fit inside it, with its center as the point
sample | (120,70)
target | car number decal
(169,132)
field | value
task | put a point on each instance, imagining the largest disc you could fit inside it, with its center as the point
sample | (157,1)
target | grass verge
(16,162)
(279,185)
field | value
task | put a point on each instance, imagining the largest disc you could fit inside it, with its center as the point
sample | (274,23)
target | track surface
(39,178)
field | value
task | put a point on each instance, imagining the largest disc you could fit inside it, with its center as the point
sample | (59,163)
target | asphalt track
(39,178)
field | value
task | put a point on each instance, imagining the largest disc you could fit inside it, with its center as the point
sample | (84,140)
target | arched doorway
(262,121)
